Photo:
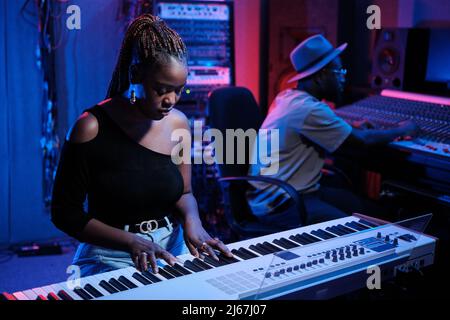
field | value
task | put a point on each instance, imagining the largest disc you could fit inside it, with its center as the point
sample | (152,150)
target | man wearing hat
(308,129)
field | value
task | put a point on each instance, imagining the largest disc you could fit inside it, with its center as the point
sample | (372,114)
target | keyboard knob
(289,269)
(387,239)
(395,243)
(379,235)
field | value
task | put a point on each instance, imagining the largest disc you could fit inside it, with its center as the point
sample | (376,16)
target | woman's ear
(135,74)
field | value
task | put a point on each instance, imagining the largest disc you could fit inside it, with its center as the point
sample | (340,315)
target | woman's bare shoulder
(178,119)
(84,129)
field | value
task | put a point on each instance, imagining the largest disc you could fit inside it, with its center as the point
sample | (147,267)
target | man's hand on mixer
(363,124)
(409,127)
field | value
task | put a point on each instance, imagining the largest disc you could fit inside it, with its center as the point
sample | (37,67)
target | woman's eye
(161,92)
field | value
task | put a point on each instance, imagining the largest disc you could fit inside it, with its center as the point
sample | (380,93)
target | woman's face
(163,88)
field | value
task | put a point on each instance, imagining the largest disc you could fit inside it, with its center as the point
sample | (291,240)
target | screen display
(438,66)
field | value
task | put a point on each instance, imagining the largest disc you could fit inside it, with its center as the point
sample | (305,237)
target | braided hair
(152,42)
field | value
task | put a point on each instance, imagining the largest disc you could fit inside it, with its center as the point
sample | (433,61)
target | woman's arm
(195,235)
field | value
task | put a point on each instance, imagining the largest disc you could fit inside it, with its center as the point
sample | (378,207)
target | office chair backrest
(234,108)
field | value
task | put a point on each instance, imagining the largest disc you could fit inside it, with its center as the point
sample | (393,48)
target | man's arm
(368,137)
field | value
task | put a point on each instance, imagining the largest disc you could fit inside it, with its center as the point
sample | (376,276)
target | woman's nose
(170,99)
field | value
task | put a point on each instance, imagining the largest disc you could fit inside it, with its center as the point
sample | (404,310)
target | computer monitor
(437,78)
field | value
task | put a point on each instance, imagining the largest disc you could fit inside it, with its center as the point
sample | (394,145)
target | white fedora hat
(312,55)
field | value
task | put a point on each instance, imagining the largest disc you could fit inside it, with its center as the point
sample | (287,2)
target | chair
(236,108)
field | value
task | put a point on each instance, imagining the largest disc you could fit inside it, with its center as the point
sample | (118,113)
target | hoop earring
(133,97)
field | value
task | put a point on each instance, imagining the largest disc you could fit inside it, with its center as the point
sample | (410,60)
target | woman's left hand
(199,241)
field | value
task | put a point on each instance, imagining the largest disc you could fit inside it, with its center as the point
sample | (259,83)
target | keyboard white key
(20,296)
(31,295)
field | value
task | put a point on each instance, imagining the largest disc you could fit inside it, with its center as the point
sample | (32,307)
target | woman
(118,153)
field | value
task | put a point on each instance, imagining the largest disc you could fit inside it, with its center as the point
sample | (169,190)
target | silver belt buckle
(150,226)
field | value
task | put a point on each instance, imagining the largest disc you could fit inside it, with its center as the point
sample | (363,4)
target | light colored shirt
(308,128)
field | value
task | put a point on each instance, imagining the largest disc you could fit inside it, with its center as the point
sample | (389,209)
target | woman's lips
(165,111)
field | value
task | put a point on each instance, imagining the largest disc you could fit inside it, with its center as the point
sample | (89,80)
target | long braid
(152,41)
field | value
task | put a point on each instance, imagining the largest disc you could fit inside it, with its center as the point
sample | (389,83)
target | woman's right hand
(143,252)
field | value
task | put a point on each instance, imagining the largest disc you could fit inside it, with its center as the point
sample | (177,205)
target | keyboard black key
(292,244)
(127,283)
(7,296)
(258,250)
(52,296)
(344,228)
(191,266)
(279,243)
(181,269)
(82,293)
(356,226)
(297,238)
(151,276)
(92,291)
(324,233)
(274,248)
(320,235)
(213,262)
(310,237)
(251,254)
(172,271)
(228,259)
(165,274)
(367,223)
(201,264)
(334,230)
(116,284)
(328,233)
(64,295)
(141,279)
(264,247)
(105,285)
(241,254)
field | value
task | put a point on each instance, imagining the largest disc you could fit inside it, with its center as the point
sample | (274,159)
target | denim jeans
(94,259)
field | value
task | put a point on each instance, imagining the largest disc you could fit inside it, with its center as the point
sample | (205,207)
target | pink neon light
(415,97)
